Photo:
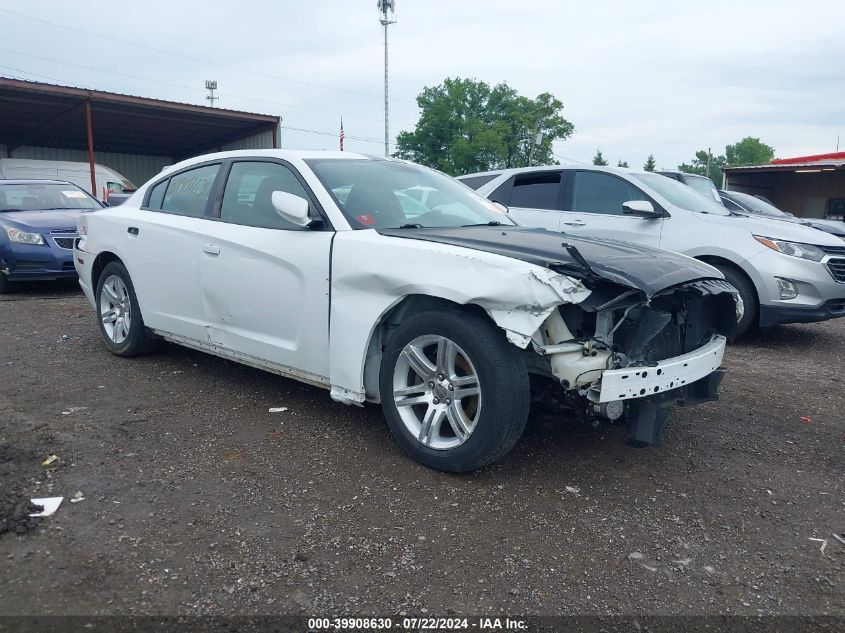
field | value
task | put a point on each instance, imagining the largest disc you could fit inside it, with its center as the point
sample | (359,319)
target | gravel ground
(197,500)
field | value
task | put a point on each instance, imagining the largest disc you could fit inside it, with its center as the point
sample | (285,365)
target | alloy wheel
(437,392)
(115,309)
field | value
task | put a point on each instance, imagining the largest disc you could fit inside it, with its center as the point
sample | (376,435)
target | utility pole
(211,86)
(387,13)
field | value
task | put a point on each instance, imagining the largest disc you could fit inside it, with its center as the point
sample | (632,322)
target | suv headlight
(22,237)
(804,251)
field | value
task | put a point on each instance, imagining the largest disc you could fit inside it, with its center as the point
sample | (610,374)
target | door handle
(132,230)
(575,222)
(211,249)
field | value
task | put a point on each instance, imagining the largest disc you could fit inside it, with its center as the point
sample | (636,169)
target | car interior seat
(374,207)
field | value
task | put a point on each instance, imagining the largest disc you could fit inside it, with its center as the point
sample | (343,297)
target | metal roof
(834,160)
(49,115)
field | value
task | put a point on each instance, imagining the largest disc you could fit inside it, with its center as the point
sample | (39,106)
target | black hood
(648,269)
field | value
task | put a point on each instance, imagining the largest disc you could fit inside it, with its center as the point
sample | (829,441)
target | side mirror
(292,208)
(643,208)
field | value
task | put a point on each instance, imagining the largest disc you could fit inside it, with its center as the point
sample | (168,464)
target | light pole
(387,13)
(211,86)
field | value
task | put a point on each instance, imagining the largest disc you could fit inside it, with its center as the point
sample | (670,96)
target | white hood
(775,229)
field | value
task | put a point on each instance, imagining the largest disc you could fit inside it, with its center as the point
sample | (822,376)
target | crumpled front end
(629,356)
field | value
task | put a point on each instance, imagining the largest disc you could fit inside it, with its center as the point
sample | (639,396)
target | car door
(593,206)
(265,281)
(162,246)
(534,198)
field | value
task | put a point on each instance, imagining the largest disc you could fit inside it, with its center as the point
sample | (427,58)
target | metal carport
(136,136)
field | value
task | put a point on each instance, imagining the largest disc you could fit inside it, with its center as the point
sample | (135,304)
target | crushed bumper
(665,375)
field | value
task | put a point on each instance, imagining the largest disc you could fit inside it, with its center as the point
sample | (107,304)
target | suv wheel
(748,297)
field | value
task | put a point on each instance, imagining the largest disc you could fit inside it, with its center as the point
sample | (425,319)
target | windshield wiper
(411,226)
(490,223)
(4,210)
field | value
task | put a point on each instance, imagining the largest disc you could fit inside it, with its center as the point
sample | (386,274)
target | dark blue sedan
(37,229)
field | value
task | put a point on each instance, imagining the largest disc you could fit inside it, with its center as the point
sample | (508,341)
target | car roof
(679,173)
(284,154)
(33,181)
(541,168)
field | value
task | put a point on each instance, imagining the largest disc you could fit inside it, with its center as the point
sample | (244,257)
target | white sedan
(331,269)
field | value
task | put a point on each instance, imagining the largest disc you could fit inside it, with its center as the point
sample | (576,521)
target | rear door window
(536,191)
(189,191)
(597,192)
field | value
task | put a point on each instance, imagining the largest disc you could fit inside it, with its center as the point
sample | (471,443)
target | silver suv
(784,273)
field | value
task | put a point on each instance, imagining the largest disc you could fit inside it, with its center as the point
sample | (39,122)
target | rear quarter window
(476,182)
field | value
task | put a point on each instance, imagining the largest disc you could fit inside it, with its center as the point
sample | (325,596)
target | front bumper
(84,262)
(665,375)
(820,295)
(31,262)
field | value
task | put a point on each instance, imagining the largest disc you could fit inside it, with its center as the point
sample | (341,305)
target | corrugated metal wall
(135,167)
(262,140)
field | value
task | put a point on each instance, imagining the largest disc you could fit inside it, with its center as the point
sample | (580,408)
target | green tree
(622,163)
(699,166)
(599,160)
(465,125)
(650,165)
(749,151)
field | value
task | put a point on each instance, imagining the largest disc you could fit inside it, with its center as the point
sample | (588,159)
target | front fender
(372,273)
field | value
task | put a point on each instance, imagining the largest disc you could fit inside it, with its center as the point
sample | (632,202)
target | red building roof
(809,159)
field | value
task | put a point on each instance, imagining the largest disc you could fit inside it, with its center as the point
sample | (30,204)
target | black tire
(749,298)
(502,378)
(139,340)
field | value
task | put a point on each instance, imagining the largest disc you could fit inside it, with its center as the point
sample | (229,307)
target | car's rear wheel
(454,391)
(121,323)
(747,312)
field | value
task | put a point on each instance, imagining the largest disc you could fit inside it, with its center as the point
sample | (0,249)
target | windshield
(704,186)
(381,194)
(680,195)
(755,205)
(41,196)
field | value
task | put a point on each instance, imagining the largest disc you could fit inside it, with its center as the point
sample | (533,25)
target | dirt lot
(199,501)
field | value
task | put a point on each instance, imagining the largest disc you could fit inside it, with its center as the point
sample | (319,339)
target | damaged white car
(384,281)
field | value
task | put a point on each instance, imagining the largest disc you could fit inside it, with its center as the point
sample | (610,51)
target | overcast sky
(635,78)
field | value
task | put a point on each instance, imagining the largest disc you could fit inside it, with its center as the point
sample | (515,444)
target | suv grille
(836,266)
(833,250)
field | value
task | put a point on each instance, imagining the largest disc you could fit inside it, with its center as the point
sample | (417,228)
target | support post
(90,130)
(386,106)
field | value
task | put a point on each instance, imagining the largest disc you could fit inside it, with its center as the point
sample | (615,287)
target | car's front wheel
(455,392)
(121,323)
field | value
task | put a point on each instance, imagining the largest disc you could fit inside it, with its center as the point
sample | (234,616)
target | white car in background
(313,265)
(784,273)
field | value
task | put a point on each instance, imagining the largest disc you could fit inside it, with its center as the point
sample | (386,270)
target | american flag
(342,135)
